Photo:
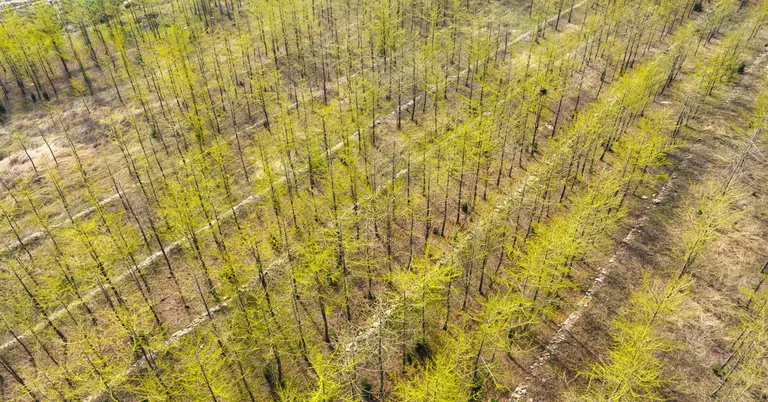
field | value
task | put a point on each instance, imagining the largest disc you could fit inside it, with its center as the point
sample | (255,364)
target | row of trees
(634,366)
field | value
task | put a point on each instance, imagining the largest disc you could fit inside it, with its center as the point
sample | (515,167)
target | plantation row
(642,336)
(353,252)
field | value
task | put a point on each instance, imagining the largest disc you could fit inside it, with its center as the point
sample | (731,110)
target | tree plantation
(405,200)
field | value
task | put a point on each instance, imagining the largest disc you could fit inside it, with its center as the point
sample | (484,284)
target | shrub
(718,369)
(367,390)
(422,350)
(269,375)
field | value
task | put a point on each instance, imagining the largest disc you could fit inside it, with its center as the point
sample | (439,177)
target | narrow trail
(37,236)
